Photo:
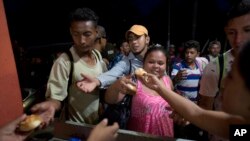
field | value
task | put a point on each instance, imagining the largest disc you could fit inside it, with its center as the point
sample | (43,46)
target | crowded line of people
(196,83)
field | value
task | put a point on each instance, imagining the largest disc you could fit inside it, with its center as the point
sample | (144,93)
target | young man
(138,39)
(81,107)
(186,76)
(237,30)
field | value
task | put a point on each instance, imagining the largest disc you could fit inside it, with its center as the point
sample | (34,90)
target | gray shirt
(120,69)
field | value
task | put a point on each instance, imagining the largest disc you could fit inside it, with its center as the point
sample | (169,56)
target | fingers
(104,122)
(36,107)
(19,119)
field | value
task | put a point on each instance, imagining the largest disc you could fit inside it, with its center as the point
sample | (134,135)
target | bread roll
(140,72)
(31,122)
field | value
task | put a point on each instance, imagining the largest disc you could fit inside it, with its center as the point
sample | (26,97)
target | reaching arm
(88,83)
(46,110)
(212,121)
(117,90)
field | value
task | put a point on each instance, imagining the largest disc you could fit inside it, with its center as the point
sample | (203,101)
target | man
(214,50)
(101,43)
(122,52)
(81,107)
(138,39)
(186,76)
(238,33)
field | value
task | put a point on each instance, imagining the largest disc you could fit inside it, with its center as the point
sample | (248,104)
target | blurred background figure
(214,49)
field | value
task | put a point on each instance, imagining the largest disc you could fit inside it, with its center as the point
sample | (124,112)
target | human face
(125,48)
(214,50)
(238,31)
(138,44)
(84,35)
(190,55)
(236,96)
(155,63)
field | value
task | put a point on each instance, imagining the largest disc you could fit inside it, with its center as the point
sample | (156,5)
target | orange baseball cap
(138,30)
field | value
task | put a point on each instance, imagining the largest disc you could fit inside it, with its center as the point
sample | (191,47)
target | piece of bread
(131,87)
(140,72)
(30,123)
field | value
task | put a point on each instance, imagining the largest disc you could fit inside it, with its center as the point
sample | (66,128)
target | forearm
(212,121)
(186,108)
(113,94)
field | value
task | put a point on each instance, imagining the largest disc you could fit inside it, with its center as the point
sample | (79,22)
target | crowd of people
(199,93)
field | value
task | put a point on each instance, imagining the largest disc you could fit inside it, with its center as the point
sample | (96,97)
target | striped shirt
(189,86)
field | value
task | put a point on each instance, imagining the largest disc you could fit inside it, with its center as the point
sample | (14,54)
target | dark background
(41,22)
(39,28)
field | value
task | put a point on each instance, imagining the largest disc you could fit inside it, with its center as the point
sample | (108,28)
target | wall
(10,94)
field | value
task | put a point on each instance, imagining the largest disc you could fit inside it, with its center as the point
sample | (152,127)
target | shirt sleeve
(209,80)
(58,79)
(109,77)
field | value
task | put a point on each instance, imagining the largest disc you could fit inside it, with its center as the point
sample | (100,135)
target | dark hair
(244,65)
(240,9)
(192,44)
(83,14)
(101,32)
(214,42)
(154,48)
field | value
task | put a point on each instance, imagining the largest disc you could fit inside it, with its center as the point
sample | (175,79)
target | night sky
(41,22)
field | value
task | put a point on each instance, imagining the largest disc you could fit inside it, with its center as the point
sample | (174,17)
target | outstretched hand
(9,132)
(46,110)
(103,132)
(88,83)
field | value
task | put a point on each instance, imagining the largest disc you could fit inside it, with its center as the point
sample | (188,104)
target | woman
(236,97)
(149,111)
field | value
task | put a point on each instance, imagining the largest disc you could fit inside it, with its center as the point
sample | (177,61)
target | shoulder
(97,54)
(202,60)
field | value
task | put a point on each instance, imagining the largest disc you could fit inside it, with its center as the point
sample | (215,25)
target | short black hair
(154,48)
(83,14)
(239,9)
(215,42)
(192,44)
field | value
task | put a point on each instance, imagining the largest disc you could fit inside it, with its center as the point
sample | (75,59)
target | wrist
(55,104)
(98,82)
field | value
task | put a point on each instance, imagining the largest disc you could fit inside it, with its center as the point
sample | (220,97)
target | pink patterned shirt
(150,113)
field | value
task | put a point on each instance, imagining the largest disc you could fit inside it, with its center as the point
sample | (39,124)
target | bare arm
(212,121)
(113,94)
(117,90)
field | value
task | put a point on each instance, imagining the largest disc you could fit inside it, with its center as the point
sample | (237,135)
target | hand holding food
(131,87)
(31,122)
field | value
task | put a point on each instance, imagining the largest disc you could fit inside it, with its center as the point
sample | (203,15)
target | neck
(84,54)
(191,64)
